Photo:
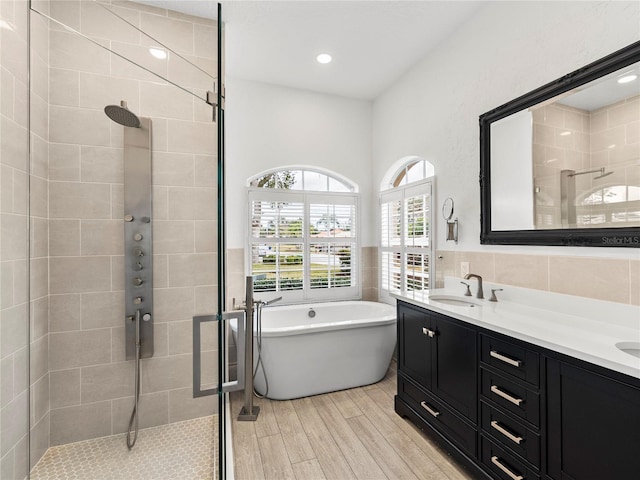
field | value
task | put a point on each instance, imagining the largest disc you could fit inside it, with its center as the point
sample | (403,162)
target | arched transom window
(303,239)
(406,247)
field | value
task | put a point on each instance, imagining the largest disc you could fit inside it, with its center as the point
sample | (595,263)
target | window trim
(308,294)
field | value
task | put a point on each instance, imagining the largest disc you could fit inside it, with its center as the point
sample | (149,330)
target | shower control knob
(145,219)
(138,252)
(138,266)
(138,281)
(137,300)
(128,218)
(137,237)
(146,317)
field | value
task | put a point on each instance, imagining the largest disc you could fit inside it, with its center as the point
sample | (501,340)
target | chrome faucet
(480,293)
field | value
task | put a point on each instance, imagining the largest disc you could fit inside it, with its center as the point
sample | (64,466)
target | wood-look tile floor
(351,434)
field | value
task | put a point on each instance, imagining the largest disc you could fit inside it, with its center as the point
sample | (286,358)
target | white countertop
(582,328)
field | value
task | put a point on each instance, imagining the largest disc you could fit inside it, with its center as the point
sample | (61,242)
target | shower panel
(138,258)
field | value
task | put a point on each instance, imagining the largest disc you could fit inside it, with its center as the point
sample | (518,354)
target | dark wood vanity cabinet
(437,373)
(508,409)
(593,424)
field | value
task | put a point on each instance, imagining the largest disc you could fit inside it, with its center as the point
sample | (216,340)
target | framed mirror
(561,164)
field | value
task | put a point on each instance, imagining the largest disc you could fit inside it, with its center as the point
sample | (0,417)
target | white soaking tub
(344,345)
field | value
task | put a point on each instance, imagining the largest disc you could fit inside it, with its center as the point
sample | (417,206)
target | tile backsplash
(610,279)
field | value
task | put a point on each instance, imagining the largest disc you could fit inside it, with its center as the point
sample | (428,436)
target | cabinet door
(455,366)
(414,344)
(593,425)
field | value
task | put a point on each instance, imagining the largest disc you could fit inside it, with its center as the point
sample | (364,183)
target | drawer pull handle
(505,359)
(426,331)
(433,412)
(506,470)
(506,432)
(506,396)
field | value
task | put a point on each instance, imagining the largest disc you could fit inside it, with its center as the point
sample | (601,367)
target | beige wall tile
(186,75)
(117,273)
(100,164)
(38,278)
(65,388)
(160,271)
(633,132)
(102,310)
(6,380)
(154,411)
(39,318)
(530,271)
(192,137)
(13,422)
(206,238)
(97,91)
(67,12)
(80,274)
(39,157)
(14,237)
(64,237)
(107,382)
(173,304)
(6,280)
(139,55)
(64,87)
(13,329)
(205,171)
(181,338)
(39,358)
(175,34)
(599,278)
(479,263)
(79,348)
(166,373)
(81,422)
(20,279)
(165,101)
(15,141)
(175,169)
(117,201)
(182,405)
(39,197)
(192,270)
(39,441)
(192,203)
(173,237)
(64,162)
(73,52)
(102,237)
(205,41)
(625,113)
(39,237)
(206,300)
(96,21)
(634,281)
(78,200)
(79,126)
(608,137)
(40,398)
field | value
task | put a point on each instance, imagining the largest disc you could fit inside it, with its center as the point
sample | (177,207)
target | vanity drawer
(510,433)
(504,465)
(511,358)
(522,401)
(434,412)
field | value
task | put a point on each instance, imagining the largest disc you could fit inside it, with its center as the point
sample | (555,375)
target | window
(303,235)
(406,247)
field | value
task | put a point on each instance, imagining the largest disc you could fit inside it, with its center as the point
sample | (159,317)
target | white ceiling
(372,42)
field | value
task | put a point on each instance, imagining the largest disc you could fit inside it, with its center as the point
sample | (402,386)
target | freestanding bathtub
(344,345)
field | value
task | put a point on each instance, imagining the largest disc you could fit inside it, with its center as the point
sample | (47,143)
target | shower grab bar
(73,30)
(231,386)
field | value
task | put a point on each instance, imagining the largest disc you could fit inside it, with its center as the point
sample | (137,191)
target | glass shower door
(115,287)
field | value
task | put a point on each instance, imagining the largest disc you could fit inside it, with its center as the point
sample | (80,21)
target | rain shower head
(603,174)
(122,115)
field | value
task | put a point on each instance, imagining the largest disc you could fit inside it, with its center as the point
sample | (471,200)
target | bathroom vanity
(515,391)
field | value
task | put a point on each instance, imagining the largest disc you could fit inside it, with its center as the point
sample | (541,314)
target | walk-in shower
(138,244)
(568,192)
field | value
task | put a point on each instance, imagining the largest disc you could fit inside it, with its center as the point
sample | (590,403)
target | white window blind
(405,240)
(304,244)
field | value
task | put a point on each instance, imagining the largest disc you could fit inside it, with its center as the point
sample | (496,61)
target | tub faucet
(480,293)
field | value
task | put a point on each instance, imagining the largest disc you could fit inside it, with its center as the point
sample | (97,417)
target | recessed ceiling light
(324,58)
(627,78)
(158,53)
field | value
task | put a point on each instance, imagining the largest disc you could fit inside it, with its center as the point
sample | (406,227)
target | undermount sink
(631,348)
(453,300)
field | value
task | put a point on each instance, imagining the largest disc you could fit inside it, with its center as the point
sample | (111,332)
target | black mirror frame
(586,237)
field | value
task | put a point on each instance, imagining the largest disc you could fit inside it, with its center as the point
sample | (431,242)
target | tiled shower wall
(575,139)
(91,384)
(14,301)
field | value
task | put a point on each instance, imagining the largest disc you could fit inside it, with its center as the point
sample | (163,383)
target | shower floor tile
(182,450)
